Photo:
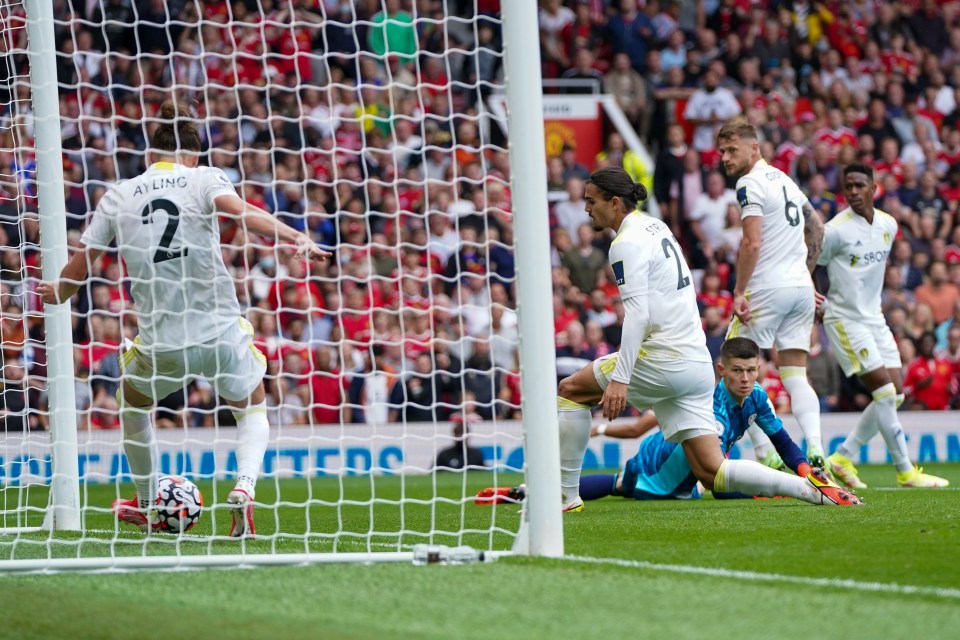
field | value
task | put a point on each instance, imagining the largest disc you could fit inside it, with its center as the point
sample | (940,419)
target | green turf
(902,537)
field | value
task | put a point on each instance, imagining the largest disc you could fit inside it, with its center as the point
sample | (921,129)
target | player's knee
(567,388)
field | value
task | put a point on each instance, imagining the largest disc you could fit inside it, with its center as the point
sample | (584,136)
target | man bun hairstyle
(614,181)
(177,130)
(740,348)
(738,127)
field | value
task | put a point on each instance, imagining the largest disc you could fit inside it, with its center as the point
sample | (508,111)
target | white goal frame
(541,529)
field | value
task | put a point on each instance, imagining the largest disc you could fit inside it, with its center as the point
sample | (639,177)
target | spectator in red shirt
(929,382)
(326,389)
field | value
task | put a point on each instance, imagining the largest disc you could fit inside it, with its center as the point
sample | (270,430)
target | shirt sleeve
(634,331)
(831,239)
(216,184)
(630,269)
(103,226)
(749,198)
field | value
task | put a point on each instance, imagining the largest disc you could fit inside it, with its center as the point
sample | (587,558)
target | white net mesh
(362,124)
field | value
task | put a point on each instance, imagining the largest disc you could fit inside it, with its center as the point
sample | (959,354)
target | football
(179,504)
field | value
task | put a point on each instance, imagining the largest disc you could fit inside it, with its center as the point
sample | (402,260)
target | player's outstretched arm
(812,235)
(71,277)
(256,220)
(635,429)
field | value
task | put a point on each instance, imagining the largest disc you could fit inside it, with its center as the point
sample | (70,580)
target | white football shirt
(169,239)
(855,254)
(647,261)
(768,192)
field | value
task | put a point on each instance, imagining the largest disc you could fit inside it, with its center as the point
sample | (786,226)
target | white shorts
(681,394)
(778,316)
(862,347)
(232,363)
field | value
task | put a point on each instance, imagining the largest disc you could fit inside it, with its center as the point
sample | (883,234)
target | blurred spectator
(929,382)
(708,108)
(460,454)
(571,213)
(585,260)
(938,292)
(370,386)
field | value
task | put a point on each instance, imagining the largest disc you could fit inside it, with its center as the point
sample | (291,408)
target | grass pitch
(705,569)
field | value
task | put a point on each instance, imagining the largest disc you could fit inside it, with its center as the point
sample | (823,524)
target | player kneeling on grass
(166,228)
(660,471)
(663,361)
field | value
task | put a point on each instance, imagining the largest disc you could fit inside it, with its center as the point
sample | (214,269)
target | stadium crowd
(373,136)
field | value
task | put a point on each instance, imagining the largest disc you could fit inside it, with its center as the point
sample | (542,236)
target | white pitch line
(753,576)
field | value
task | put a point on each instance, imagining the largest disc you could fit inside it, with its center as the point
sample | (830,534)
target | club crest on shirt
(618,273)
(742,196)
(886,237)
(864,353)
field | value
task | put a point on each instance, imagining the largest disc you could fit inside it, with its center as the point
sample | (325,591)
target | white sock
(754,479)
(253,434)
(761,443)
(865,430)
(574,435)
(141,450)
(804,402)
(886,400)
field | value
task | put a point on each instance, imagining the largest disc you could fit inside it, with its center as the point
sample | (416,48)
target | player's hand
(49,292)
(307,249)
(741,308)
(614,400)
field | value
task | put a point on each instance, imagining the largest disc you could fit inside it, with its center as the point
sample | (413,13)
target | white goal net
(392,368)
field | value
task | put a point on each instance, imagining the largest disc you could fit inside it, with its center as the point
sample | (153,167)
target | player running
(165,226)
(774,298)
(659,470)
(855,248)
(663,360)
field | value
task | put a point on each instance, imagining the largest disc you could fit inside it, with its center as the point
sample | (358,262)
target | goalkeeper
(165,224)
(659,470)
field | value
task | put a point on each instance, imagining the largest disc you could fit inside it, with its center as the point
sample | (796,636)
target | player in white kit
(663,360)
(774,299)
(165,223)
(856,244)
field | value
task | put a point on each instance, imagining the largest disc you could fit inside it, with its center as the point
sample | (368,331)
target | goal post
(535,309)
(324,115)
(64,506)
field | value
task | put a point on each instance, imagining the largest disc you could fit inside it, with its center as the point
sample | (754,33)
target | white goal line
(755,576)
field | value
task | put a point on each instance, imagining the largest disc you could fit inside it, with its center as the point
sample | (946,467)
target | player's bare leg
(753,479)
(886,387)
(575,396)
(253,432)
(140,448)
(803,401)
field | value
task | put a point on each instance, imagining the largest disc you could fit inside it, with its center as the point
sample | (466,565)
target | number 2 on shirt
(668,248)
(164,252)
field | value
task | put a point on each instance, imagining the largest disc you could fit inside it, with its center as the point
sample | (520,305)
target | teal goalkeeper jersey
(660,468)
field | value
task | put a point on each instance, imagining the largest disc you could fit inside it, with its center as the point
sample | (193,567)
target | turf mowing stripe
(855,585)
(912,489)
